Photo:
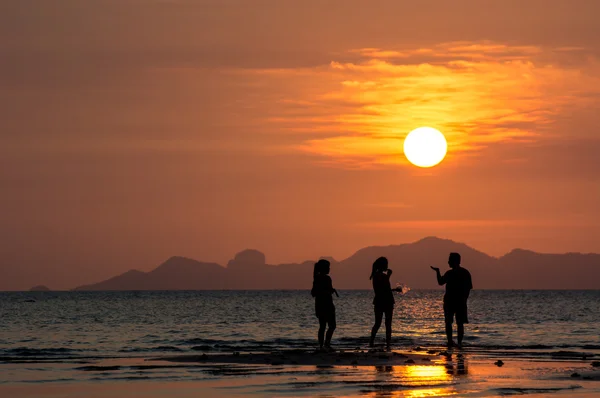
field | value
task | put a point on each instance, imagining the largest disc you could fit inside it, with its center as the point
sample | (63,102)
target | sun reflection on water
(429,392)
(419,375)
(413,381)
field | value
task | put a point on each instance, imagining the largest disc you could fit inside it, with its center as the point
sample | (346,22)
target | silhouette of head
(454,260)
(381,264)
(322,267)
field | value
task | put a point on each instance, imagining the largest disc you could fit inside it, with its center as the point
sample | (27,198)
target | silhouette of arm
(468,285)
(388,284)
(470,282)
(441,279)
(331,289)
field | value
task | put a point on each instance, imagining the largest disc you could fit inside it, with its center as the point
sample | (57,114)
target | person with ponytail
(322,291)
(384,299)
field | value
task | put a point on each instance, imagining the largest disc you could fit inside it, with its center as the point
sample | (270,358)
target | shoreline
(306,357)
(307,374)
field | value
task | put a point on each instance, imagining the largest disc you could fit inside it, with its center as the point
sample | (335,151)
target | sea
(48,331)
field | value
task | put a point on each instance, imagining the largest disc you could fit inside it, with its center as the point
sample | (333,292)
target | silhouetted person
(325,310)
(384,299)
(458,286)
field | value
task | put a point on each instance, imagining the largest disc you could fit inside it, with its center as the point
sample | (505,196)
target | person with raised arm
(384,299)
(458,287)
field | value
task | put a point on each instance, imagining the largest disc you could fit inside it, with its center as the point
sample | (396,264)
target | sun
(425,147)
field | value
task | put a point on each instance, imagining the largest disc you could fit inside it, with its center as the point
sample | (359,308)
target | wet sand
(356,357)
(297,373)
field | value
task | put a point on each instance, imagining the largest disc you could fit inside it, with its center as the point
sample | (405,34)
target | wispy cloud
(356,113)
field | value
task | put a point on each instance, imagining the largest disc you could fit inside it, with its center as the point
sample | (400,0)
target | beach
(412,373)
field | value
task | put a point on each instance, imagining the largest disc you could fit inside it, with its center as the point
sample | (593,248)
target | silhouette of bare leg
(322,326)
(460,331)
(330,331)
(449,334)
(378,318)
(388,327)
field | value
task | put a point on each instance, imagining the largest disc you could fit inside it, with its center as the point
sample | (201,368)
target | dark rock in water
(236,354)
(409,361)
(596,364)
(39,288)
(418,349)
(499,363)
(574,375)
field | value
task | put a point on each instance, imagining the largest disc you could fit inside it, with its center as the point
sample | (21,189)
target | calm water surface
(125,324)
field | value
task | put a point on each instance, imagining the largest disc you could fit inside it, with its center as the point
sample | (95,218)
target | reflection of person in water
(458,286)
(460,368)
(384,299)
(384,369)
(325,310)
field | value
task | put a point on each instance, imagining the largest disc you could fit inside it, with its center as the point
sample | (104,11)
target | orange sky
(133,130)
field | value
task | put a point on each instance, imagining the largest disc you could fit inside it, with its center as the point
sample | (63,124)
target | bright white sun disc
(425,147)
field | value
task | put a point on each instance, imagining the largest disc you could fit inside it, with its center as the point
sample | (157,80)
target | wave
(521,391)
(212,345)
(196,345)
(40,352)
(162,348)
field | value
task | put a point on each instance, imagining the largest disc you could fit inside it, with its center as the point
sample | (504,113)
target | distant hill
(519,269)
(177,273)
(39,288)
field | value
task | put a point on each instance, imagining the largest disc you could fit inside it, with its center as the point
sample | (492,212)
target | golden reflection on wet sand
(413,381)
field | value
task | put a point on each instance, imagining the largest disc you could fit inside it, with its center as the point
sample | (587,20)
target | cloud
(479,94)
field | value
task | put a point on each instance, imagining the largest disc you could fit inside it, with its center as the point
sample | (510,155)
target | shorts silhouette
(456,309)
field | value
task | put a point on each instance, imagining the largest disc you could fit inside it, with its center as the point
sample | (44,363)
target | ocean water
(91,325)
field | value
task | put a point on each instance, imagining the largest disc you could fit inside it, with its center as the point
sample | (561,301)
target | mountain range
(519,269)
